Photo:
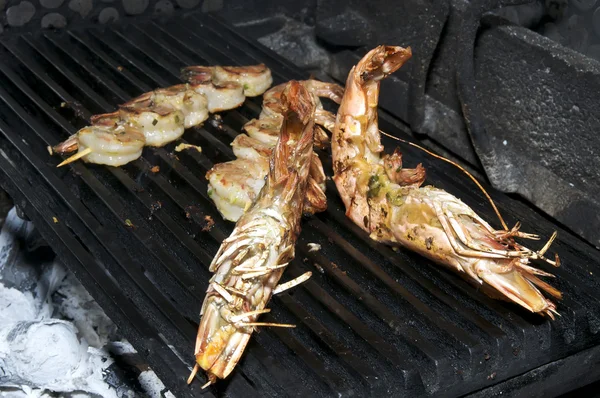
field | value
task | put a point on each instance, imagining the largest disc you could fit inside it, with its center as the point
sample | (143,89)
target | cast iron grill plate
(370,321)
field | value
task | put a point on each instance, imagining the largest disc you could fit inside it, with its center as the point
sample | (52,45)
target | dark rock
(539,103)
(253,11)
(297,42)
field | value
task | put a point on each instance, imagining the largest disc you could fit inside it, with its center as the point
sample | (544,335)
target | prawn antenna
(489,198)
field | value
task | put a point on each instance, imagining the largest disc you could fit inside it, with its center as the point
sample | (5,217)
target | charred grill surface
(370,320)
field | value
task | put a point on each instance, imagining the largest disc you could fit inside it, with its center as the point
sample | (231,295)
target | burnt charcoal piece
(297,42)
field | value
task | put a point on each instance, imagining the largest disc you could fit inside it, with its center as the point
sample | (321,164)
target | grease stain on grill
(20,14)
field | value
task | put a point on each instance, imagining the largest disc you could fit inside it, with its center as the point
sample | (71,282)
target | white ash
(77,305)
(54,338)
(151,383)
(48,354)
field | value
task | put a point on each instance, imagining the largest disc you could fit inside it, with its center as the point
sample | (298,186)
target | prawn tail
(520,286)
(71,144)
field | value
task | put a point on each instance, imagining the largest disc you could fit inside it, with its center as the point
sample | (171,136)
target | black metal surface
(371,321)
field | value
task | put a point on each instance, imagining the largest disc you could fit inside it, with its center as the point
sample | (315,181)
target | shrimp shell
(250,262)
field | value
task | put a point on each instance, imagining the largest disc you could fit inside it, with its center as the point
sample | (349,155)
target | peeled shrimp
(386,200)
(113,145)
(253,79)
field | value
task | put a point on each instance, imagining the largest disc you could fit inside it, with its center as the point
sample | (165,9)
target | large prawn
(250,262)
(388,202)
(234,185)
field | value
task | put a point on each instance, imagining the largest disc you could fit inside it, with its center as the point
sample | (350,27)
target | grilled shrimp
(113,145)
(221,97)
(386,200)
(253,79)
(234,185)
(193,105)
(162,115)
(250,262)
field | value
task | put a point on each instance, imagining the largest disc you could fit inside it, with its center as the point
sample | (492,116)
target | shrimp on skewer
(110,145)
(192,104)
(386,200)
(234,185)
(251,260)
(163,115)
(254,79)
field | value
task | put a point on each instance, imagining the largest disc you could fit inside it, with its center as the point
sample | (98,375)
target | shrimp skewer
(388,202)
(234,185)
(113,145)
(163,115)
(251,260)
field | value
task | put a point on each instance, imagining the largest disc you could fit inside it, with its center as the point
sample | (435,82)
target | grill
(370,320)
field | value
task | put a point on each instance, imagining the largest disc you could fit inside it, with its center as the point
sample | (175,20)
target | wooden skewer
(78,155)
